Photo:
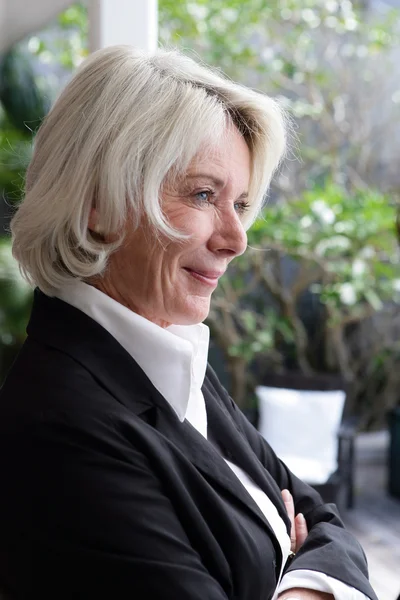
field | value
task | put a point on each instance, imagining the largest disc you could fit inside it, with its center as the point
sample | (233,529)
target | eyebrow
(216,181)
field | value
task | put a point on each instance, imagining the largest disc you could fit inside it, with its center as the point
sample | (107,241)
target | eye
(241,207)
(204,196)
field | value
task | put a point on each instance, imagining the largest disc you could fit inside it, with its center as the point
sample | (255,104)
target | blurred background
(317,294)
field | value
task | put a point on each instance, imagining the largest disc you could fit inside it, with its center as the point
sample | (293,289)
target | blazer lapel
(205,457)
(237,450)
(210,462)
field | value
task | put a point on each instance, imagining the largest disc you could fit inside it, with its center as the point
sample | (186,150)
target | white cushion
(301,426)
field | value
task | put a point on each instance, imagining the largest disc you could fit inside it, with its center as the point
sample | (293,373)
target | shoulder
(61,430)
(44,380)
(52,405)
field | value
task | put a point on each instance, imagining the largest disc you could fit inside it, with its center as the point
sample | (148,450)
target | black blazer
(106,494)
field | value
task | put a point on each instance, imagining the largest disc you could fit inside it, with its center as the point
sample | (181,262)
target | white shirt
(179,354)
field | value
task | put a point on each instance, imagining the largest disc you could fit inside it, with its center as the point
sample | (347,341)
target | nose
(229,238)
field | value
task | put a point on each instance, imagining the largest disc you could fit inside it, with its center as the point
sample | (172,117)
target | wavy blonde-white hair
(124,122)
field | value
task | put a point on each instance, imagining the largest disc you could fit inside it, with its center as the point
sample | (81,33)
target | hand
(298,534)
(305,594)
(299,530)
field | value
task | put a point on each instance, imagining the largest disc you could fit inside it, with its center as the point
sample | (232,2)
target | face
(171,282)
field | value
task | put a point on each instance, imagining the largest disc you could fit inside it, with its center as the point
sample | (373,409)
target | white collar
(174,359)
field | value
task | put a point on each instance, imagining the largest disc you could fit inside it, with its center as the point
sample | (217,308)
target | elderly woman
(126,469)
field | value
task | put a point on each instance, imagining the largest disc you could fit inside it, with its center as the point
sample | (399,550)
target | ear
(94,222)
(97,229)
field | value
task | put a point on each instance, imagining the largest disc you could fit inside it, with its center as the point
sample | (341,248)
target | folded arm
(329,549)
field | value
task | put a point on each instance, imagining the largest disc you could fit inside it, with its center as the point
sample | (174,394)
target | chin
(192,315)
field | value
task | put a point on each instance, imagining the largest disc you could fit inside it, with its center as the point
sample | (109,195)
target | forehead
(230,154)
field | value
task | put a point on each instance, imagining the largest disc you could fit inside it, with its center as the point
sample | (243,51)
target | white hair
(124,122)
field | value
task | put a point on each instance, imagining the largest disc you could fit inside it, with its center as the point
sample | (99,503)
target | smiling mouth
(207,277)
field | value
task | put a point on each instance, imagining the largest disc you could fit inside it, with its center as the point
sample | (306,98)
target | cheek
(198,232)
(201,228)
(191,220)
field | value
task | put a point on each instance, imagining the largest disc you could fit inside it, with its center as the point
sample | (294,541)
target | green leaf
(373,299)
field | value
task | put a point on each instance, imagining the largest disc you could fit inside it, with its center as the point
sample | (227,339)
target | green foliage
(347,237)
(75,17)
(30,75)
(232,34)
(258,331)
(23,104)
(70,46)
(329,62)
(21,98)
(241,36)
(342,247)
(15,298)
(15,153)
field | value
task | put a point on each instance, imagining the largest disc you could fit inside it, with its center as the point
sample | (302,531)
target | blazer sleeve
(103,525)
(329,547)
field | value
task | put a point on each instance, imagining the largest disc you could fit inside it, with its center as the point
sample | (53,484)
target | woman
(126,469)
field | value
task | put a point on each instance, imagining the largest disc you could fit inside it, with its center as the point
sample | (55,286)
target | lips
(206,276)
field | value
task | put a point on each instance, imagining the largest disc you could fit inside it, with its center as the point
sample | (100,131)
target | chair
(301,417)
